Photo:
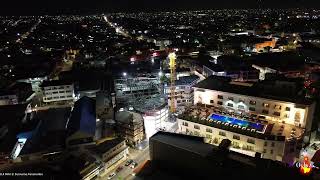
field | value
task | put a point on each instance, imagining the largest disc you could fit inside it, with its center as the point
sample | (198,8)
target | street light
(160,74)
(124,74)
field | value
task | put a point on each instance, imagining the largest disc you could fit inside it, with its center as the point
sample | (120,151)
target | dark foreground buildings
(175,156)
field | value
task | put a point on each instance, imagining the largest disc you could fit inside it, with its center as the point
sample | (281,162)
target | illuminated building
(253,118)
(183,92)
(57,91)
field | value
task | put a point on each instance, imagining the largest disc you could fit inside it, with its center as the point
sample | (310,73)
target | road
(138,156)
(118,29)
(25,35)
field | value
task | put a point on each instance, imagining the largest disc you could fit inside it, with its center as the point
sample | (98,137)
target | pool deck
(271,127)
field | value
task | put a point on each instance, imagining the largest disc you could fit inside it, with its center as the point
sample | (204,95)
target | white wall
(206,96)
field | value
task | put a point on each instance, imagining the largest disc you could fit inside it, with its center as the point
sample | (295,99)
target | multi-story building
(8,99)
(256,117)
(111,151)
(130,126)
(57,90)
(183,91)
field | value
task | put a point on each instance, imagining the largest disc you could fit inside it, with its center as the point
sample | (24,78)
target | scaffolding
(133,89)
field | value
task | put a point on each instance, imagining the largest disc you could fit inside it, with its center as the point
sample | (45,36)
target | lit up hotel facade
(254,122)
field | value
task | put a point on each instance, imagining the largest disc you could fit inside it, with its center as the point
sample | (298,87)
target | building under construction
(131,90)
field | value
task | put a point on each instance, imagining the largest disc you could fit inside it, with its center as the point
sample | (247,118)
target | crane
(172,65)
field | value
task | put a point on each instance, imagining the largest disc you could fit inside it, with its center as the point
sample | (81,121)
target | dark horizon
(85,7)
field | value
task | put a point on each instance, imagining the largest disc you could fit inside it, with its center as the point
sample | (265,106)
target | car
(119,169)
(111,175)
(134,165)
(129,162)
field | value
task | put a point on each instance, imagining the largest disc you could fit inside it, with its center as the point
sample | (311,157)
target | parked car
(129,162)
(111,175)
(134,165)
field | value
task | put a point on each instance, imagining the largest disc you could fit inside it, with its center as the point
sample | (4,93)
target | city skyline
(88,7)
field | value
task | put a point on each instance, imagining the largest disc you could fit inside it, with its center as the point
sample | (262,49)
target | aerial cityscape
(177,94)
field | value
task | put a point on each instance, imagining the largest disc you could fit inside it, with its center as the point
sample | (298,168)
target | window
(265,111)
(236,137)
(220,97)
(272,144)
(287,109)
(252,102)
(271,151)
(241,100)
(252,108)
(184,123)
(230,104)
(196,126)
(277,107)
(230,98)
(266,105)
(250,148)
(251,141)
(219,102)
(208,130)
(222,133)
(286,116)
(209,136)
(211,101)
(265,143)
(178,101)
(264,151)
(241,106)
(276,113)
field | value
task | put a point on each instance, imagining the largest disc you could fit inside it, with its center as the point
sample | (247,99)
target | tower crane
(172,65)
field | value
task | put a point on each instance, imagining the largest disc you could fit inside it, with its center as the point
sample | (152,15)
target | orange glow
(305,167)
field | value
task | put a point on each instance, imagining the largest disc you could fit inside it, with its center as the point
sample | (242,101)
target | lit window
(277,107)
(266,105)
(253,102)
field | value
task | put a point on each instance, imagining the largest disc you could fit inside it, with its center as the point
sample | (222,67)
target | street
(138,156)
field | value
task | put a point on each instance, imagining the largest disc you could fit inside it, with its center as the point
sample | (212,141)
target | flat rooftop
(289,92)
(243,124)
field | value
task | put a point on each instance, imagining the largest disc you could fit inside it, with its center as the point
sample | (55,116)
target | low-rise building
(130,126)
(57,90)
(111,151)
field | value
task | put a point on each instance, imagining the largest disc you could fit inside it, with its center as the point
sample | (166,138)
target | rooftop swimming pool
(243,123)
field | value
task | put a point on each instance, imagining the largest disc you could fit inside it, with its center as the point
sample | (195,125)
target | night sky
(34,7)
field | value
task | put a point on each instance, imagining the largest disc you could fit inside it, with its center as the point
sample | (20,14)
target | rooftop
(83,117)
(283,90)
(106,145)
(186,80)
(56,83)
(243,124)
